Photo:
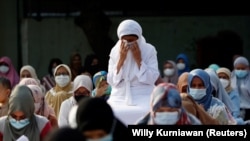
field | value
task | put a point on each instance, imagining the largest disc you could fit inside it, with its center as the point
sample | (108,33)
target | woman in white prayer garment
(132,73)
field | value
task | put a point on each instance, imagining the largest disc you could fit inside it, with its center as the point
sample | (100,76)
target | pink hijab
(12,74)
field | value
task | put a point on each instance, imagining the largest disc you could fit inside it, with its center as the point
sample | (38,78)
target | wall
(59,37)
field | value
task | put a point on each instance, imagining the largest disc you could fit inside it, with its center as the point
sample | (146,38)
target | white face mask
(197,94)
(4,69)
(62,80)
(180,66)
(169,72)
(37,106)
(224,82)
(166,118)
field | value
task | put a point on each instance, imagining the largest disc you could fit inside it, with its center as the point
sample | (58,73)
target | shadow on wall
(219,49)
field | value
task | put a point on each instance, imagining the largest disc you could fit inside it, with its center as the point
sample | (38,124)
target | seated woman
(166,108)
(224,75)
(191,105)
(21,120)
(200,88)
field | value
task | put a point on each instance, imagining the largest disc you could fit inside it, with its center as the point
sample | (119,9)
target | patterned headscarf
(203,75)
(167,95)
(98,77)
(12,74)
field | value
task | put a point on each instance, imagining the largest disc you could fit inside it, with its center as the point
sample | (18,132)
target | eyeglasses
(62,73)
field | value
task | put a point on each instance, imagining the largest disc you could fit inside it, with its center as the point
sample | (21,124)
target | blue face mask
(108,137)
(197,94)
(19,124)
(108,91)
(241,73)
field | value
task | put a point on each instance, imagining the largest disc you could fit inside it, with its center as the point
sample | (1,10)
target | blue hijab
(186,62)
(203,75)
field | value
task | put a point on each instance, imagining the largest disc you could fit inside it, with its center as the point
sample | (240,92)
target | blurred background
(34,31)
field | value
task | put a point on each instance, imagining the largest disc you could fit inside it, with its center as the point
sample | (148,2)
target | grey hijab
(21,99)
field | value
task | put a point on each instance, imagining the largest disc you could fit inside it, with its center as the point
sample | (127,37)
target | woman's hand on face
(136,53)
(123,54)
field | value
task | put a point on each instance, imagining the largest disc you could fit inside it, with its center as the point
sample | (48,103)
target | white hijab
(130,68)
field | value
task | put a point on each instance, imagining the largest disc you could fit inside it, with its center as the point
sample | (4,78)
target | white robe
(131,87)
(63,118)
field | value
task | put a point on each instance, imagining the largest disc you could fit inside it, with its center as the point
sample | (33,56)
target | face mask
(180,66)
(169,72)
(37,106)
(19,124)
(4,69)
(224,82)
(79,97)
(166,118)
(197,94)
(108,137)
(62,80)
(108,90)
(241,73)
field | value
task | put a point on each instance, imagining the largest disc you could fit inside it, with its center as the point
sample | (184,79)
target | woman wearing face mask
(200,88)
(62,89)
(166,108)
(182,63)
(97,122)
(224,75)
(82,87)
(8,70)
(191,105)
(21,119)
(102,88)
(170,72)
(240,81)
(41,106)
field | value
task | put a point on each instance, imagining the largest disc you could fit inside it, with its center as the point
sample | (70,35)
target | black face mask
(79,97)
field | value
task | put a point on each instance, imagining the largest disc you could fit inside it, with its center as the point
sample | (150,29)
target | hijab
(130,67)
(21,100)
(39,98)
(68,87)
(174,78)
(186,62)
(167,95)
(220,90)
(12,74)
(31,70)
(228,73)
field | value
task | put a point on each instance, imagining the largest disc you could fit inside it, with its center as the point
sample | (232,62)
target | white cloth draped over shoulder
(132,86)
